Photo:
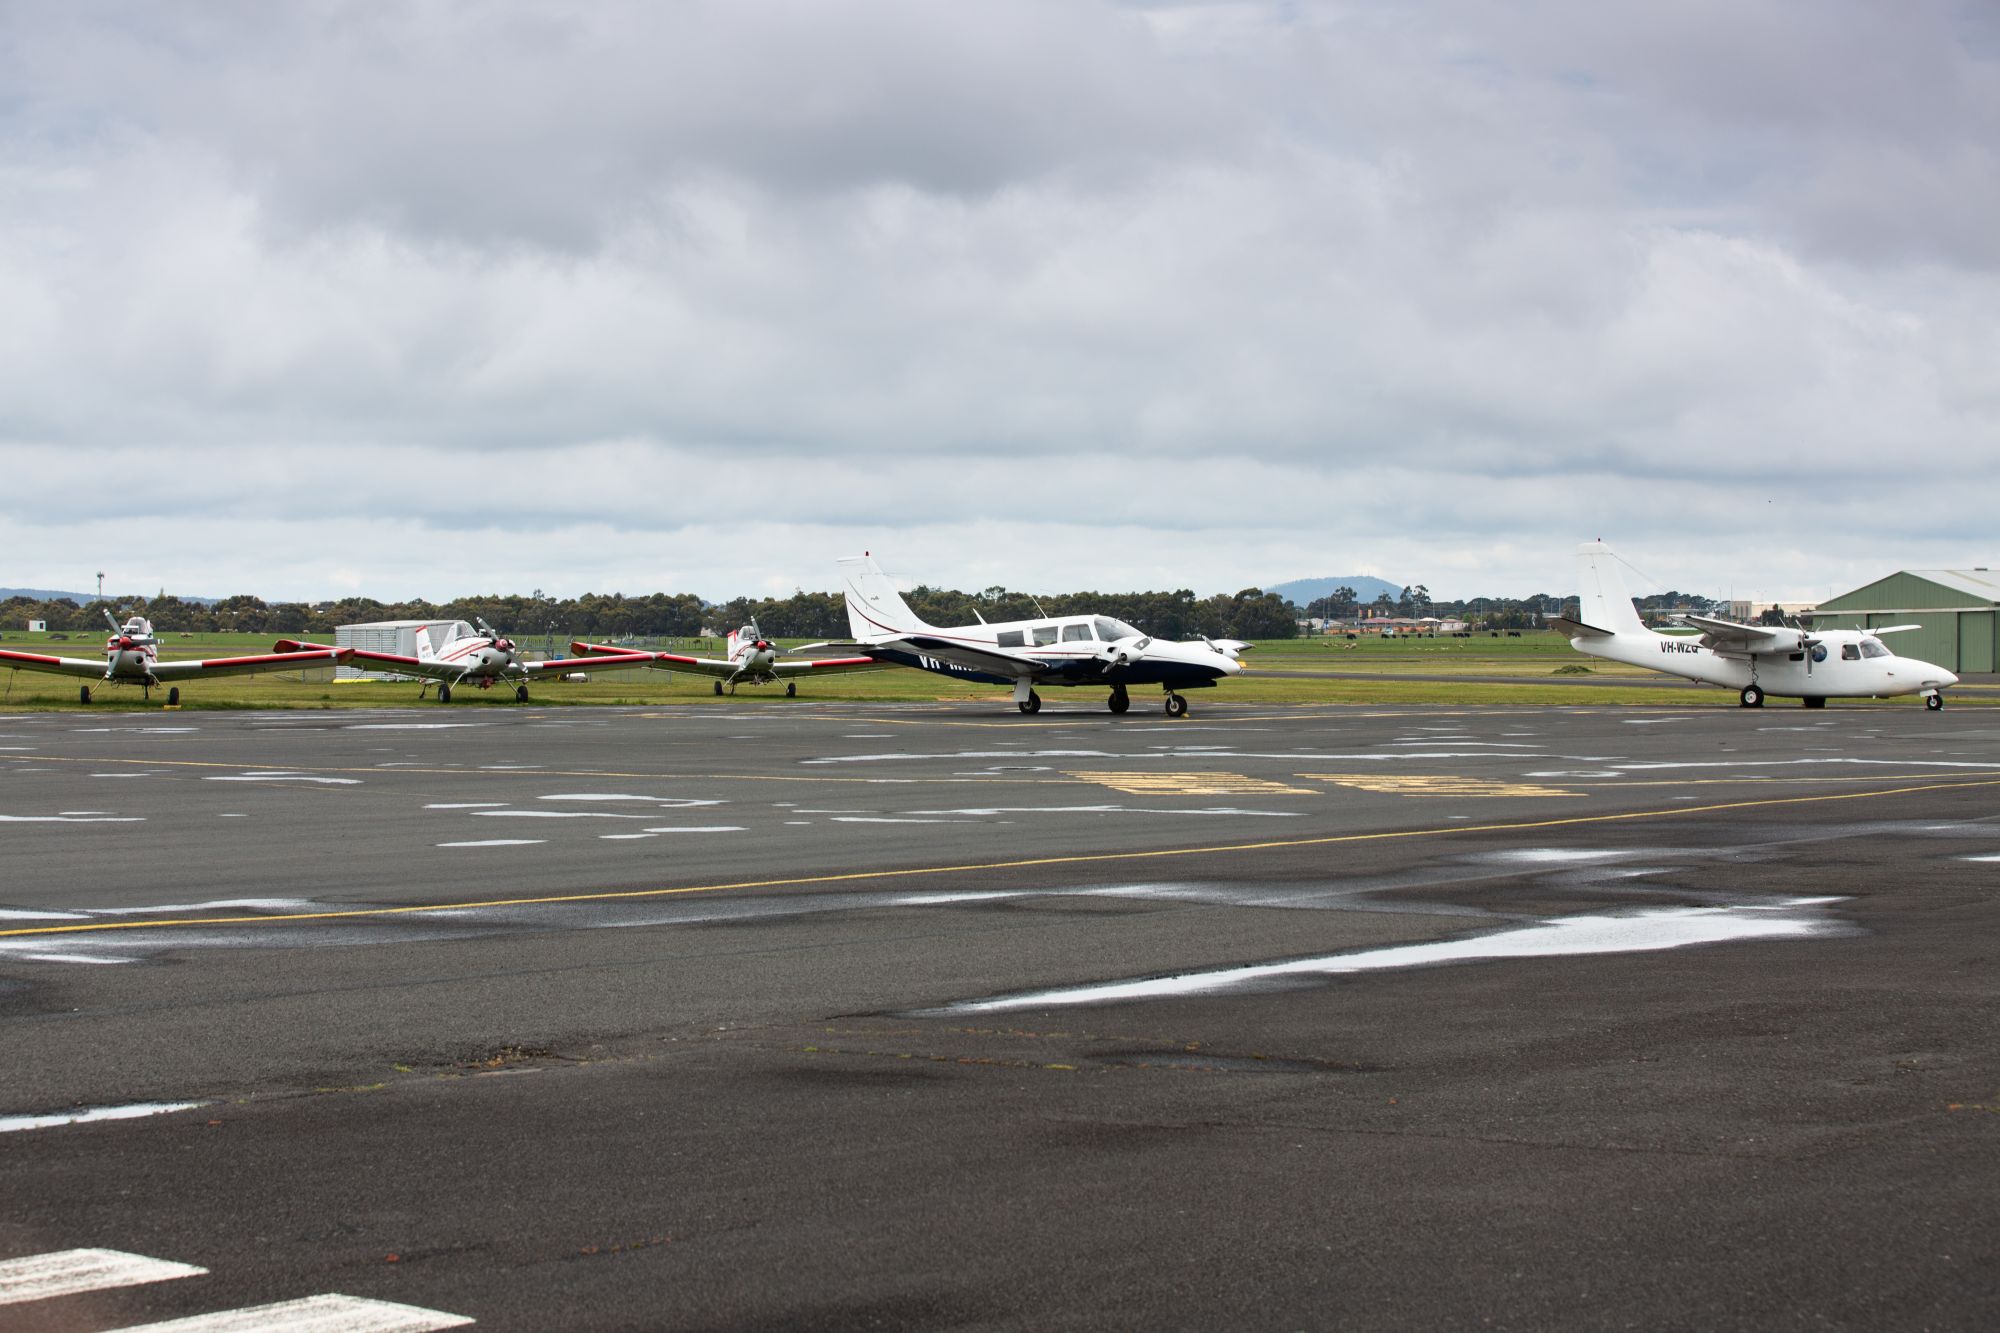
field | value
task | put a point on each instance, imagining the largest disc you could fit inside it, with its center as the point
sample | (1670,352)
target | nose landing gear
(1752,697)
(1176,706)
(1934,700)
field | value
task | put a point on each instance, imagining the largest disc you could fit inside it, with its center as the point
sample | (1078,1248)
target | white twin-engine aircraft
(474,657)
(748,659)
(1059,650)
(132,657)
(1754,660)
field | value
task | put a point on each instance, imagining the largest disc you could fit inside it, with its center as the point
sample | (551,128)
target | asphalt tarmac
(782,1014)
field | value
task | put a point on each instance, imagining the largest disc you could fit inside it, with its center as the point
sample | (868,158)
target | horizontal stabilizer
(1576,629)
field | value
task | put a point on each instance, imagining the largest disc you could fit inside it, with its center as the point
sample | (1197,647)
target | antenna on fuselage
(1038,607)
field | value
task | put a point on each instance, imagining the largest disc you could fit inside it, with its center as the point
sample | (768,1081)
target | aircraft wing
(246,666)
(1727,635)
(407,666)
(823,666)
(612,657)
(600,654)
(979,657)
(60,666)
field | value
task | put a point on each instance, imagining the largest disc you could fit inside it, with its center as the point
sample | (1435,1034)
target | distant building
(38,627)
(1958,609)
(394,636)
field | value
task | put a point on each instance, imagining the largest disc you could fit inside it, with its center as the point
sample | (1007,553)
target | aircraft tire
(1120,701)
(1815,701)
(718,687)
(1032,704)
(173,696)
(83,694)
(520,694)
(444,693)
(791,689)
(1176,706)
(1934,701)
(1752,697)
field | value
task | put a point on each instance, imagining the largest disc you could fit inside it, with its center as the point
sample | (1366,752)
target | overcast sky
(422,299)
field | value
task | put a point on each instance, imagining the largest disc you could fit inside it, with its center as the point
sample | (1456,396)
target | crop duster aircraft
(1754,660)
(748,659)
(1056,650)
(132,657)
(482,658)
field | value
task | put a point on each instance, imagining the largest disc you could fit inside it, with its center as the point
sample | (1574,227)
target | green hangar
(1955,607)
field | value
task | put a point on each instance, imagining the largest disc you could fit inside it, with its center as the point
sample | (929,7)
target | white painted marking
(1106,810)
(331,1313)
(883,819)
(24,914)
(701,828)
(945,899)
(124,775)
(623,837)
(560,814)
(233,814)
(466,805)
(1640,932)
(214,904)
(72,958)
(67,1272)
(619,796)
(285,777)
(413,726)
(497,842)
(1980,858)
(9,1124)
(72,819)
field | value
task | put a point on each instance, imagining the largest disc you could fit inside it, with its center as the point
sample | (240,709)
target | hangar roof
(1979,587)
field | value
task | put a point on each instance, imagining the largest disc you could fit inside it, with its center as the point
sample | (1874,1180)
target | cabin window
(1076,634)
(1850,652)
(1044,634)
(1012,638)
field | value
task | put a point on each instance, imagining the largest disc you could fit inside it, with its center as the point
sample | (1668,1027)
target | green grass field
(1536,668)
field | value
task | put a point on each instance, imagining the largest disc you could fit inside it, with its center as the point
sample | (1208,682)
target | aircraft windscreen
(1873,648)
(1111,631)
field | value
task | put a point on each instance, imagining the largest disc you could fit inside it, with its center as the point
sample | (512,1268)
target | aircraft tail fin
(425,650)
(1602,603)
(730,643)
(874,607)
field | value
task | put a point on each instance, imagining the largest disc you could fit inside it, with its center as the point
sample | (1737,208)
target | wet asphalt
(739,1017)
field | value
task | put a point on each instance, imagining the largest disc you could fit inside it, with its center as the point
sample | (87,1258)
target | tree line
(1249,614)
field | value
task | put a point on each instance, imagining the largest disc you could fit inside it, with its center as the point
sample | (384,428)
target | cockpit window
(1873,648)
(1849,653)
(1076,634)
(1044,634)
(1111,631)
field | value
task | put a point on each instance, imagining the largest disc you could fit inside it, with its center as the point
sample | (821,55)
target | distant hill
(86,598)
(1303,592)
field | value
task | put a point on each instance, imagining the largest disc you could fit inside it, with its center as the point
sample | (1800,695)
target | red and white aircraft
(132,657)
(475,657)
(750,659)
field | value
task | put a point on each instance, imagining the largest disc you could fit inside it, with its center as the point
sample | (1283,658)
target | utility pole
(100,585)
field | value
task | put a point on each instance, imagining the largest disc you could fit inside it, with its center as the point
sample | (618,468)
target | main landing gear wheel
(1931,701)
(1120,701)
(791,689)
(1752,697)
(444,693)
(520,694)
(174,697)
(1176,706)
(1032,704)
(1816,701)
(83,694)
(718,687)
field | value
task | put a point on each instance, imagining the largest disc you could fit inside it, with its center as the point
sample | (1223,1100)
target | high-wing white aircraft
(132,657)
(1057,650)
(474,657)
(748,659)
(1754,660)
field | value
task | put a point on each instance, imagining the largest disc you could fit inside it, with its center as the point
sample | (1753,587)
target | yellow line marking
(1187,784)
(975,867)
(1438,785)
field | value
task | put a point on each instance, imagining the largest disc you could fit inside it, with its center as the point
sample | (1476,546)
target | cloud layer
(433,298)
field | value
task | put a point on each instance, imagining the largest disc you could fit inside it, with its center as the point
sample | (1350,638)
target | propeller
(1123,653)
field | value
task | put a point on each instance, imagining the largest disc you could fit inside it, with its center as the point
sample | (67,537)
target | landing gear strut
(1933,701)
(1752,697)
(1120,701)
(1176,706)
